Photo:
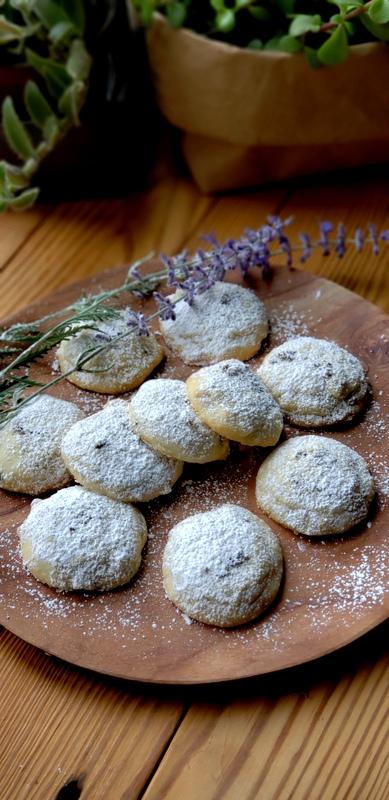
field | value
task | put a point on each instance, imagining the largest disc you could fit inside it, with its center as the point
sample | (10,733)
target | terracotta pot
(249,117)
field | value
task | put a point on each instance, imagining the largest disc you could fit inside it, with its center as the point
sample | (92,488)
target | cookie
(227,321)
(163,417)
(222,567)
(233,401)
(30,457)
(104,454)
(116,370)
(315,486)
(80,541)
(317,383)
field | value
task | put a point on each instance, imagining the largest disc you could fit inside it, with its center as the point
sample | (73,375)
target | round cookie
(222,567)
(30,457)
(118,369)
(163,417)
(104,454)
(80,541)
(234,402)
(315,382)
(226,321)
(315,485)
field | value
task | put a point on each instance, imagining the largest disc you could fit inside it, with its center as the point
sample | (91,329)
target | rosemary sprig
(192,275)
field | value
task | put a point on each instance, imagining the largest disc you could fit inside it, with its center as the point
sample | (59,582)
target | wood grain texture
(330,595)
(329,745)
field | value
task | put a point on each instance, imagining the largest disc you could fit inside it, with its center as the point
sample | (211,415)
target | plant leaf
(15,131)
(36,104)
(176,14)
(55,75)
(379,12)
(79,61)
(305,23)
(335,48)
(24,200)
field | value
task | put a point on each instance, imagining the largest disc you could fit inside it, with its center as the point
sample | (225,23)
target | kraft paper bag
(250,117)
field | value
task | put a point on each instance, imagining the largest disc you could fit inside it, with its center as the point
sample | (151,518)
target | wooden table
(318,732)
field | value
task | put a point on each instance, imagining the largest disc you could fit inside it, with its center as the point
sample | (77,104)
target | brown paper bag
(249,117)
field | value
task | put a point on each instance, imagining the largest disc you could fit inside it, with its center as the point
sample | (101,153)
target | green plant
(323,29)
(47,37)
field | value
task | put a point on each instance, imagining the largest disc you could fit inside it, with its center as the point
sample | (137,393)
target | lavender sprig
(191,275)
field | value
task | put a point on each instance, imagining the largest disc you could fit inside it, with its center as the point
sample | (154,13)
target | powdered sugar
(30,459)
(227,321)
(222,567)
(316,382)
(234,401)
(164,418)
(104,453)
(315,485)
(79,540)
(117,369)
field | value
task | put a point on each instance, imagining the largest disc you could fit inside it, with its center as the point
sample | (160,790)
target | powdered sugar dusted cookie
(234,402)
(104,454)
(315,382)
(227,321)
(76,540)
(315,486)
(118,369)
(30,457)
(163,417)
(223,567)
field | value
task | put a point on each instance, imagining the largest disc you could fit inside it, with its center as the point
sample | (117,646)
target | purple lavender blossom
(359,240)
(136,320)
(374,238)
(340,243)
(307,244)
(165,306)
(384,236)
(324,241)
(278,226)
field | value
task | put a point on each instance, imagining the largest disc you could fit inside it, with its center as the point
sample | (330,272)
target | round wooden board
(334,590)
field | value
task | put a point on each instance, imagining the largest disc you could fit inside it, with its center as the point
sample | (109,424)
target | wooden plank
(356,204)
(80,239)
(327,742)
(15,230)
(60,724)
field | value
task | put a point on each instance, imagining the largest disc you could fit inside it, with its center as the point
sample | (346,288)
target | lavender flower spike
(165,306)
(307,251)
(340,244)
(137,321)
(324,241)
(374,238)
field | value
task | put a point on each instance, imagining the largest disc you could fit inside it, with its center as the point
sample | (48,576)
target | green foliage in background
(47,36)
(322,29)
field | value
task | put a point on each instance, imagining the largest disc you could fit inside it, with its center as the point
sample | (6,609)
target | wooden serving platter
(334,590)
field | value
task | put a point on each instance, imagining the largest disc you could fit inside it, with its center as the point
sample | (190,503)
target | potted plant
(67,92)
(267,89)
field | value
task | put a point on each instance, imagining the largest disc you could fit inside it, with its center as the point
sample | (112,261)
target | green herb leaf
(335,49)
(284,44)
(55,75)
(176,14)
(36,104)
(305,23)
(255,44)
(79,61)
(259,13)
(15,131)
(24,200)
(225,21)
(380,32)
(379,12)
